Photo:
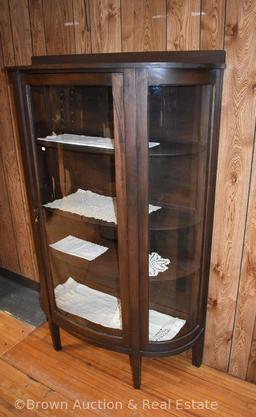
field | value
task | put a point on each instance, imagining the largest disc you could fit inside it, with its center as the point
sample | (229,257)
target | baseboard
(20,279)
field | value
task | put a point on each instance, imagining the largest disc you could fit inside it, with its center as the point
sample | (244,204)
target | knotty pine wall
(36,27)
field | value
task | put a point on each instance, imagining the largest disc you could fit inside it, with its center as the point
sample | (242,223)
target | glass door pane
(75,146)
(179,120)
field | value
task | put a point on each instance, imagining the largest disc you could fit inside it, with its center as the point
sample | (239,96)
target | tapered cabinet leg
(55,334)
(135,361)
(197,352)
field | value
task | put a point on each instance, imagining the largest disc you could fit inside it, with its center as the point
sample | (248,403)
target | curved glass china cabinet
(120,156)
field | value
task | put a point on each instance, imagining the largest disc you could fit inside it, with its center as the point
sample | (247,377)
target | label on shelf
(79,247)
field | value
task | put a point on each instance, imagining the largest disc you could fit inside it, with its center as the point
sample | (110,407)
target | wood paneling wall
(81,26)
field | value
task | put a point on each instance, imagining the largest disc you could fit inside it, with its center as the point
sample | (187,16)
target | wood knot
(233,177)
(231,30)
(212,302)
(217,269)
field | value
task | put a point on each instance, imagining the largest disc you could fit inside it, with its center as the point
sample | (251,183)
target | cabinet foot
(197,352)
(135,361)
(55,335)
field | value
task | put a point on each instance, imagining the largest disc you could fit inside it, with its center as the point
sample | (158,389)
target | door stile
(121,197)
(143,172)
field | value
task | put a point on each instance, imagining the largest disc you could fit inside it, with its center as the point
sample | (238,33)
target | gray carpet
(20,301)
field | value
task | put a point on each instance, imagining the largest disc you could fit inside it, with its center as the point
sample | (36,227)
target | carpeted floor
(20,301)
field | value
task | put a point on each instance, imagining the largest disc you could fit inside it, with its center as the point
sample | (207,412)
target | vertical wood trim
(21,31)
(143,25)
(59,27)
(234,166)
(251,371)
(82,26)
(143,199)
(15,184)
(212,24)
(132,178)
(8,251)
(105,23)
(246,302)
(6,33)
(183,25)
(121,195)
(37,27)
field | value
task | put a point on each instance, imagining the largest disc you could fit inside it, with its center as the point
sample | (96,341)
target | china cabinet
(120,155)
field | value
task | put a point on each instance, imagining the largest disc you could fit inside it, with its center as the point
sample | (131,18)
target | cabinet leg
(135,361)
(55,334)
(197,352)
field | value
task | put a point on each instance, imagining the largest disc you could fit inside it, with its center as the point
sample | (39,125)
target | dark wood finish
(199,58)
(171,98)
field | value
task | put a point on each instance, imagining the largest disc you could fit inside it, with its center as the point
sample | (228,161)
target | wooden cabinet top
(179,59)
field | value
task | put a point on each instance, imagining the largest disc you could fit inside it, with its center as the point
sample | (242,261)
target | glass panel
(73,128)
(179,118)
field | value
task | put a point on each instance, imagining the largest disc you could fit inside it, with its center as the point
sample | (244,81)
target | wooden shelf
(176,270)
(163,150)
(176,149)
(101,274)
(78,148)
(172,218)
(74,216)
(164,219)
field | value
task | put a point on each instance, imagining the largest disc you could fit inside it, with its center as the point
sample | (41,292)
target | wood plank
(6,33)
(19,330)
(105,24)
(37,27)
(8,250)
(251,371)
(67,373)
(15,184)
(212,24)
(21,31)
(82,26)
(246,301)
(143,25)
(38,399)
(59,27)
(183,25)
(234,166)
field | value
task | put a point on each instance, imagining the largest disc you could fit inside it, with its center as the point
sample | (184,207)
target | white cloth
(79,247)
(157,264)
(90,304)
(90,204)
(82,140)
(104,309)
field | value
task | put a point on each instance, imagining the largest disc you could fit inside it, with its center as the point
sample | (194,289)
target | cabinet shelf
(177,270)
(173,149)
(82,143)
(156,149)
(170,219)
(78,217)
(101,274)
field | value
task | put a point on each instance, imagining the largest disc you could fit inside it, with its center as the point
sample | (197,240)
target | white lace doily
(89,204)
(157,264)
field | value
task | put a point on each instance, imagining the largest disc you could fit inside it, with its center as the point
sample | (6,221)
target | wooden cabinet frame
(130,75)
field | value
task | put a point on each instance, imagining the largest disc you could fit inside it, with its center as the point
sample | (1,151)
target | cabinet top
(177,59)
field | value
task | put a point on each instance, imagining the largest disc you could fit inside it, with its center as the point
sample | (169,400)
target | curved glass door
(179,120)
(76,147)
